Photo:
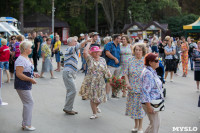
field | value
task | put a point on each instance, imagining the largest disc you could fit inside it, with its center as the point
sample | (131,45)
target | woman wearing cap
(196,58)
(93,86)
(184,56)
(170,63)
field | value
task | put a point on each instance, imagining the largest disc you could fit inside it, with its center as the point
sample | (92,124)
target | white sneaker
(93,116)
(140,131)
(28,128)
(98,110)
(171,80)
(53,77)
(134,129)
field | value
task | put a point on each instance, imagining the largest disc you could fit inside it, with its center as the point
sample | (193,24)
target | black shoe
(35,70)
(83,71)
(114,96)
(70,112)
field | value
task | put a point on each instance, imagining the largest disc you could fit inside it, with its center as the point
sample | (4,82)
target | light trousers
(27,100)
(154,121)
(69,81)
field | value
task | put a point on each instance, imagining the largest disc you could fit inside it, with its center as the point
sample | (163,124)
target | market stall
(193,30)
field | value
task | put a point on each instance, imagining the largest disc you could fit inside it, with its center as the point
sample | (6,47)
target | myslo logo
(185,129)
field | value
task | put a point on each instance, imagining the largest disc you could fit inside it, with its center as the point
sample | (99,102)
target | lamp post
(53,10)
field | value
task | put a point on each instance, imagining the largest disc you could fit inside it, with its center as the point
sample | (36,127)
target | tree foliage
(176,23)
(147,10)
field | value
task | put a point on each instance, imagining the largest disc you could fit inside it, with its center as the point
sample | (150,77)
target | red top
(4,53)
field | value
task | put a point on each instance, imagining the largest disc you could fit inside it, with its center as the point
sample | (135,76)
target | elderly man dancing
(69,72)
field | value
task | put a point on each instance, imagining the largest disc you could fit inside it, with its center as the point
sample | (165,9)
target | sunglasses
(13,39)
(156,61)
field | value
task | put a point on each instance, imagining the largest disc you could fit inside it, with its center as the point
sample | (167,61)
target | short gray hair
(24,45)
(70,39)
(107,39)
(142,46)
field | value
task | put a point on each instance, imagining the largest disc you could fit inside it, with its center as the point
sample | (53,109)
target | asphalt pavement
(49,97)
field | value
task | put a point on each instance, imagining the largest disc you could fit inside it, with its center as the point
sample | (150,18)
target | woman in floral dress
(93,86)
(132,75)
(125,54)
(184,56)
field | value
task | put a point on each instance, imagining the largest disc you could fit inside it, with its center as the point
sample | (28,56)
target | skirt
(47,65)
(170,65)
(134,107)
(197,75)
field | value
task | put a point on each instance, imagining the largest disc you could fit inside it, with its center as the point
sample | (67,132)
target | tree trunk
(96,16)
(109,12)
(21,15)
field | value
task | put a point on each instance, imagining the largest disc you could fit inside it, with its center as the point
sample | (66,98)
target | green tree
(176,23)
(148,10)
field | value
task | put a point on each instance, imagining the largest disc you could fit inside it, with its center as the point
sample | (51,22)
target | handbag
(159,104)
(175,57)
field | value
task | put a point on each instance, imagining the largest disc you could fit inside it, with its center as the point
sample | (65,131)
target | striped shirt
(71,58)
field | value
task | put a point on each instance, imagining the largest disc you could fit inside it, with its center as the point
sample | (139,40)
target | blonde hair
(3,41)
(142,46)
(24,45)
(57,36)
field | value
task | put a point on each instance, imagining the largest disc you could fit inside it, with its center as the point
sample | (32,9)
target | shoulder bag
(158,105)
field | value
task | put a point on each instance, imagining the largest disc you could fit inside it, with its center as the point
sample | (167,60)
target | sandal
(93,116)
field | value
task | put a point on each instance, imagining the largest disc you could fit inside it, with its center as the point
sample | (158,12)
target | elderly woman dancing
(23,83)
(93,86)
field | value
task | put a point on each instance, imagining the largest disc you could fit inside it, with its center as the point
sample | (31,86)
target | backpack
(191,47)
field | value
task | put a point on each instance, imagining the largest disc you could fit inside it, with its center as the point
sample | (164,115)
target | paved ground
(48,117)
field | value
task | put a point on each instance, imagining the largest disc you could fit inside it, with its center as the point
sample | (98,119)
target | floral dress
(133,104)
(184,58)
(93,86)
(125,54)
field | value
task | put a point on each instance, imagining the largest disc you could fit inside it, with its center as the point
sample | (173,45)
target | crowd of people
(135,60)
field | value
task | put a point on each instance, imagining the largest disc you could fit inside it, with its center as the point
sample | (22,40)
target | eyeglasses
(13,39)
(156,61)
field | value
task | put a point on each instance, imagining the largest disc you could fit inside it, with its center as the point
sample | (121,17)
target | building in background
(137,29)
(40,22)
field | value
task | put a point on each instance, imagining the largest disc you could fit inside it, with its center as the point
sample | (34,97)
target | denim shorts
(4,65)
(57,55)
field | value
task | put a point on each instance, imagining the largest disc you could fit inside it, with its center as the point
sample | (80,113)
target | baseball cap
(81,34)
